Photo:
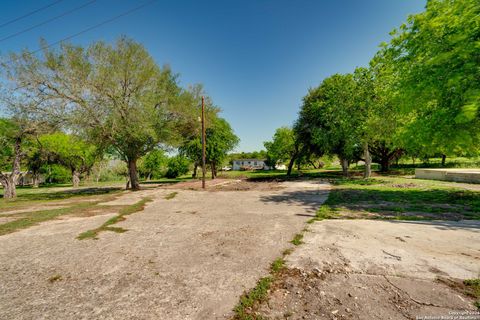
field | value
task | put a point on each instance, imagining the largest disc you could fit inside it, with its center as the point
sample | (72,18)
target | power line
(29,13)
(121,15)
(48,20)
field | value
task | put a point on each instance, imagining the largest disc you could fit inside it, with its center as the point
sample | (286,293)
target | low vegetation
(473,290)
(107,226)
(171,195)
(399,198)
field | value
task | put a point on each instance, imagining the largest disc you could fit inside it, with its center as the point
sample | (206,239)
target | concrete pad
(455,175)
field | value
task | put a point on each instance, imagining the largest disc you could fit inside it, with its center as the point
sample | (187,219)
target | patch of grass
(55,278)
(473,289)
(297,239)
(243,311)
(286,252)
(107,225)
(29,219)
(277,265)
(399,198)
(171,195)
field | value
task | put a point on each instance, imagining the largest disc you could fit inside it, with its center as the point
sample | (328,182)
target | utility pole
(204,142)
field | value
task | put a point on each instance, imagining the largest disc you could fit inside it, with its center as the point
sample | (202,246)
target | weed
(297,239)
(473,289)
(243,311)
(277,265)
(107,225)
(171,195)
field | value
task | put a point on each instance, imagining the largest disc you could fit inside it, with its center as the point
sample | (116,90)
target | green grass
(277,265)
(297,239)
(107,225)
(28,219)
(243,311)
(473,289)
(171,195)
(399,198)
(28,197)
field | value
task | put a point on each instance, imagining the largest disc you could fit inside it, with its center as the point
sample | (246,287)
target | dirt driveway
(189,257)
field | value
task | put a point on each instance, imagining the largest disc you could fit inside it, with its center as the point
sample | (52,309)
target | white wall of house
(256,164)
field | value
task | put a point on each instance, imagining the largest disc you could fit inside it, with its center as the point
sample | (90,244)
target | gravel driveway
(190,257)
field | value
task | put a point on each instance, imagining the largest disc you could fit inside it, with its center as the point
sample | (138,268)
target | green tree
(436,58)
(153,164)
(220,140)
(71,152)
(116,95)
(177,166)
(15,143)
(328,121)
(284,147)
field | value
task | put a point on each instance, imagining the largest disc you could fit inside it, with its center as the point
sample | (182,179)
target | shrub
(177,166)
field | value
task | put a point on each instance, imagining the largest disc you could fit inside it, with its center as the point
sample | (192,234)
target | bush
(177,166)
(57,174)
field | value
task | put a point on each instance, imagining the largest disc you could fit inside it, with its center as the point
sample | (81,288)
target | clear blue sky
(256,58)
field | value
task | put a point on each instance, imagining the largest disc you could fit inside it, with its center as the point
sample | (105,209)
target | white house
(250,164)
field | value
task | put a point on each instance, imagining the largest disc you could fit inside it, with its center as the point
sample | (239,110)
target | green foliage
(220,140)
(177,166)
(328,121)
(435,57)
(56,173)
(107,225)
(277,265)
(8,130)
(69,151)
(283,147)
(153,164)
(115,95)
(297,239)
(248,300)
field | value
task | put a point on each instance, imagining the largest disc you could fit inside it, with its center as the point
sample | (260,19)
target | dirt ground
(365,269)
(189,257)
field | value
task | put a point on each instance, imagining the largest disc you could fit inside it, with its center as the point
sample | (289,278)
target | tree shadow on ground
(310,199)
(406,203)
(387,203)
(472,225)
(66,194)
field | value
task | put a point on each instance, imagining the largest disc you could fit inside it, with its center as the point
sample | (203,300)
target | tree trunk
(10,181)
(444,158)
(384,164)
(133,174)
(290,166)
(344,163)
(212,170)
(313,164)
(413,160)
(9,190)
(195,167)
(75,178)
(35,179)
(368,162)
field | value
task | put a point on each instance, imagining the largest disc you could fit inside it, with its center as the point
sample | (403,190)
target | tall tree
(220,140)
(115,95)
(71,152)
(436,57)
(327,122)
(283,147)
